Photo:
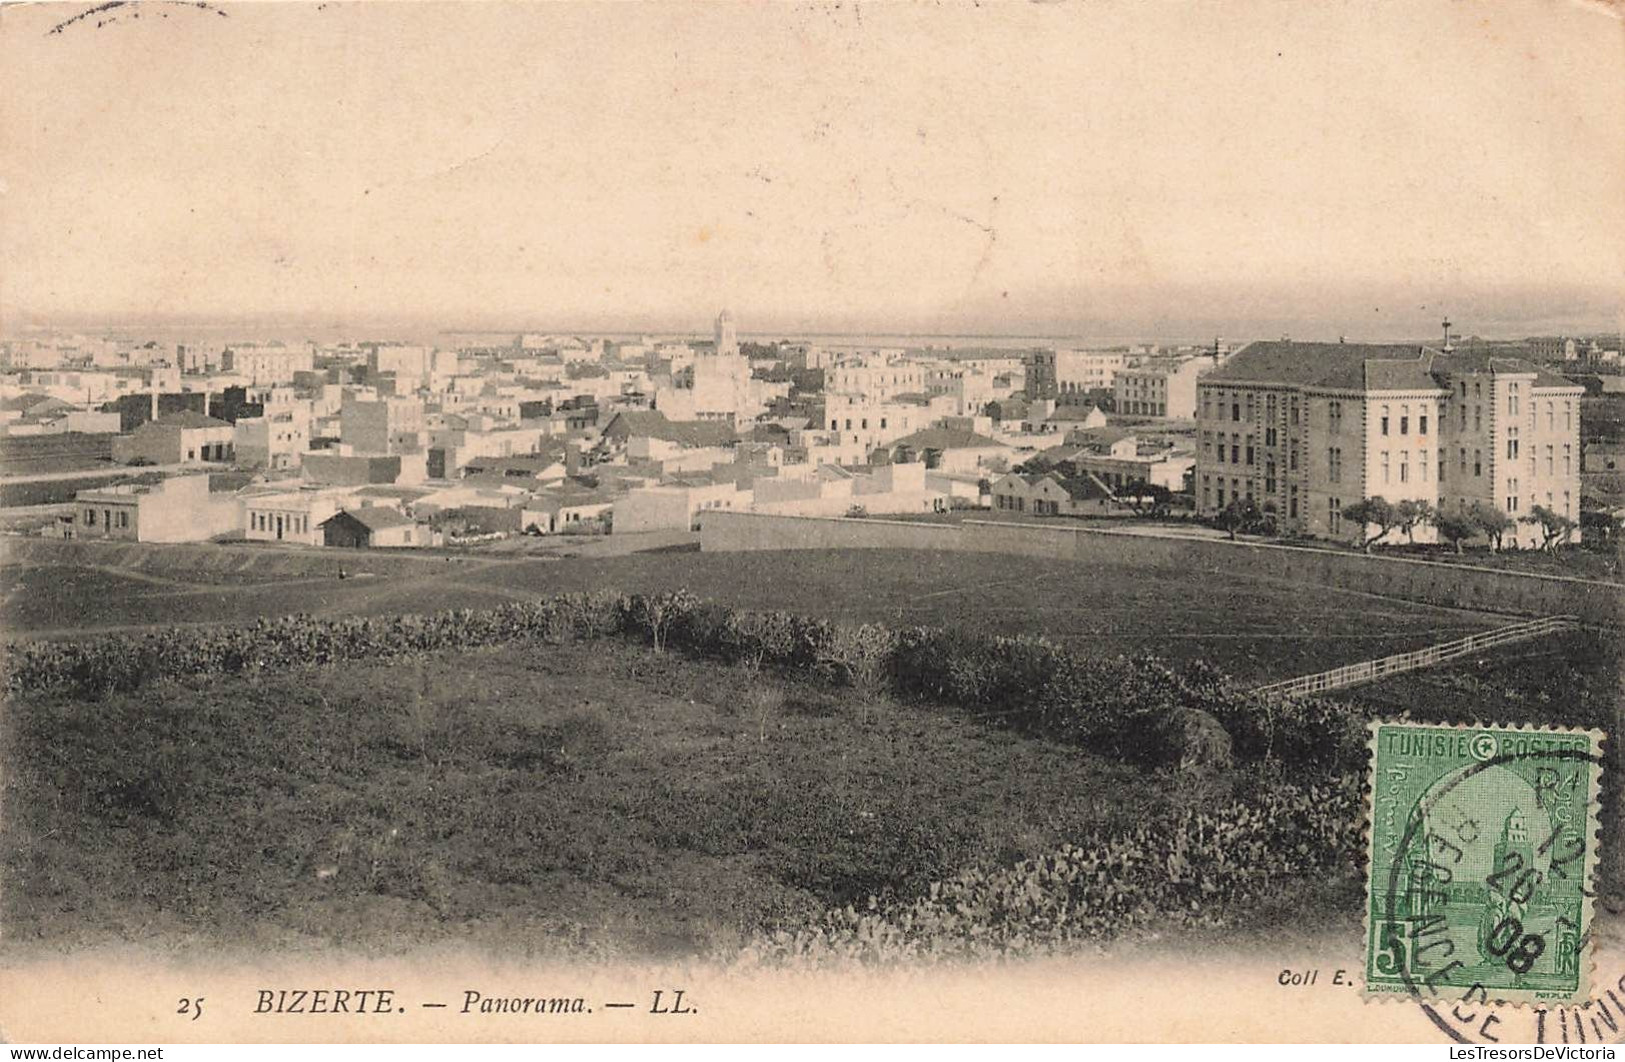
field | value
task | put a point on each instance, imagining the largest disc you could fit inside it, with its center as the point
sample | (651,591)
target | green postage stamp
(1483,847)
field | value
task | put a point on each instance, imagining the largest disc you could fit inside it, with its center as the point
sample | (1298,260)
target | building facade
(1307,429)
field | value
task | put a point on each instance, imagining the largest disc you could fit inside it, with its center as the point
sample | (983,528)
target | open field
(593,797)
(22,455)
(1258,630)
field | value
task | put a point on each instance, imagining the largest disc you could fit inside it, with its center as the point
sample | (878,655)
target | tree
(1492,522)
(1410,513)
(1147,498)
(1036,465)
(1456,524)
(1555,528)
(1376,512)
(1239,515)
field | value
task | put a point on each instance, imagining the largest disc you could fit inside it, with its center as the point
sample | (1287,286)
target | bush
(1134,709)
(1202,868)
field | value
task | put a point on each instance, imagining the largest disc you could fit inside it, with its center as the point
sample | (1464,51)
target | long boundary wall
(1450,585)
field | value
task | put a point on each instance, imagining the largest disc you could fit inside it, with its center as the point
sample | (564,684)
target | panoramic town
(726,522)
(1488,444)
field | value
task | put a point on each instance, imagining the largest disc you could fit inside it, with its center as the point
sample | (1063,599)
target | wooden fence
(1372,670)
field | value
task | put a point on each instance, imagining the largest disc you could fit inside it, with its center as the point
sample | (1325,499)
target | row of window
(1404,465)
(115,518)
(1213,405)
(1405,421)
(290,524)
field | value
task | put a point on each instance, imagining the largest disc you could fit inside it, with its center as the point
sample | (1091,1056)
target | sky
(1179,169)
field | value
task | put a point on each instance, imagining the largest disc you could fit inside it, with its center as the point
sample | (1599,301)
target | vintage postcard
(811,521)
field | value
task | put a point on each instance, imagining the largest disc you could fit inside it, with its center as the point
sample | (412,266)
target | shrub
(1136,709)
(1204,867)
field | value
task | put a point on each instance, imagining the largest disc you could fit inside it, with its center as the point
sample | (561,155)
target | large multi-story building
(1307,429)
(1060,373)
(388,425)
(270,363)
(1164,388)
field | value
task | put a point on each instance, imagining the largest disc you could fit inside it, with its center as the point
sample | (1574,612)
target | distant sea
(247,332)
(865,339)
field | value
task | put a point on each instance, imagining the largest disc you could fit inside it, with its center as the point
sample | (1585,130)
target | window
(1404,420)
(1512,444)
(1292,412)
(1478,463)
(1235,449)
(1464,460)
(90,517)
(1334,465)
(1464,415)
(1568,412)
(1250,450)
(1404,466)
(1551,415)
(882,423)
(1385,475)
(1478,418)
(1269,476)
(1269,437)
(1292,456)
(1422,466)
(1442,463)
(1568,504)
(1235,410)
(1207,492)
(1221,494)
(1422,424)
(1292,503)
(123,518)
(1464,388)
(864,424)
(1512,399)
(1551,463)
(1567,455)
(1385,420)
(1334,515)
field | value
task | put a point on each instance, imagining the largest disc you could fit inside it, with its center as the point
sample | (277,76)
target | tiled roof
(1336,365)
(374,517)
(653,424)
(945,439)
(1371,366)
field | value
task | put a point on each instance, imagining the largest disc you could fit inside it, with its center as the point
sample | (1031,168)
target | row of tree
(1455,523)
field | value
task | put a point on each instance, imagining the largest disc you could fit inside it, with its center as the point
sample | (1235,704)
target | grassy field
(22,455)
(1256,629)
(595,797)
